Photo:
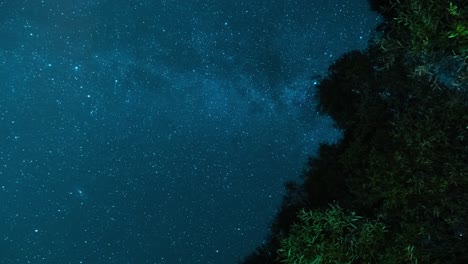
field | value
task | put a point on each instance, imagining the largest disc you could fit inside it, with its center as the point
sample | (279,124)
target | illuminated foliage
(332,236)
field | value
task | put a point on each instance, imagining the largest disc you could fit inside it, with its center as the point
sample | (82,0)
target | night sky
(158,131)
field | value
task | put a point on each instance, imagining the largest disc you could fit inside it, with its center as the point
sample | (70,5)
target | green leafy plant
(460,30)
(334,236)
(402,158)
(427,26)
(453,10)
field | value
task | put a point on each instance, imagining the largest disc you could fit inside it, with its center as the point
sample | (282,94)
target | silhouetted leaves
(402,159)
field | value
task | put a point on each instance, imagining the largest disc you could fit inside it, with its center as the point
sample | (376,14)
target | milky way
(158,131)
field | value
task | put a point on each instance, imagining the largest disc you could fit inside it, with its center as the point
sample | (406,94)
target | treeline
(395,188)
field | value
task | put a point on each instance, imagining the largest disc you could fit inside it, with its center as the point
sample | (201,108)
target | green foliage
(419,179)
(459,30)
(428,26)
(403,157)
(335,236)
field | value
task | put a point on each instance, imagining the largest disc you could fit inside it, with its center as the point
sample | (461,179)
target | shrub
(335,236)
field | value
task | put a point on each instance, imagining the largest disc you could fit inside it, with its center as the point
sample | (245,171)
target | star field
(158,131)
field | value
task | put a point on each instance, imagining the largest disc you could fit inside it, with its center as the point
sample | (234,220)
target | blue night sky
(158,131)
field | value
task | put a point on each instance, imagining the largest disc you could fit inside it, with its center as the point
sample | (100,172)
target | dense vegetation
(395,188)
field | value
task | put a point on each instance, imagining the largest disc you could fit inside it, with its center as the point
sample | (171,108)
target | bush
(335,236)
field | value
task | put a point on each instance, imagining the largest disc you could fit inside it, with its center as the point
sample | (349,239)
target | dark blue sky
(158,131)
